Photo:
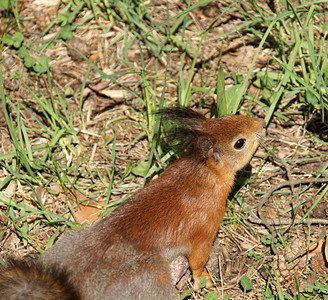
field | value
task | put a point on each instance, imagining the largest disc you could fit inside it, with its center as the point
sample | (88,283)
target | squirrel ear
(207,146)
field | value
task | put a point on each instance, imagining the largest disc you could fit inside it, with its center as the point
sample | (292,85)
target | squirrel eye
(240,144)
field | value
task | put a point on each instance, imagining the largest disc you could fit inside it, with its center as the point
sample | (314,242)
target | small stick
(290,222)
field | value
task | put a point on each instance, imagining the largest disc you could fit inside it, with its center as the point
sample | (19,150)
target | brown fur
(127,254)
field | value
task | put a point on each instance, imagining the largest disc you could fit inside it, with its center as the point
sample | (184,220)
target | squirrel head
(228,142)
(231,140)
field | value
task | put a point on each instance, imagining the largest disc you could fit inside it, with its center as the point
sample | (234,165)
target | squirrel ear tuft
(208,149)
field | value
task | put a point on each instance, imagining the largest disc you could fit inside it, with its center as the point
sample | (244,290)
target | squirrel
(126,255)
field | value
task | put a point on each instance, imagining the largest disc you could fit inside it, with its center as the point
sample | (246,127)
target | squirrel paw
(197,282)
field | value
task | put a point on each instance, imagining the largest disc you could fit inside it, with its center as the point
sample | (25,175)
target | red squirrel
(126,255)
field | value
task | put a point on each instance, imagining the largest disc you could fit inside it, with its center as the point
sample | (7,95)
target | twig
(290,222)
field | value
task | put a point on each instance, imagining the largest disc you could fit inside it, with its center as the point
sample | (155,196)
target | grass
(50,132)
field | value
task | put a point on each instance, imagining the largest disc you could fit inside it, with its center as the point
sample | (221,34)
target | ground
(274,229)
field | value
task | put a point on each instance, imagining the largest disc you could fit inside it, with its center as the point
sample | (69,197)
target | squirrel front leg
(197,260)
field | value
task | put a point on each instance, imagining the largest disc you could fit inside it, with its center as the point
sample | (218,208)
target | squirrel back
(121,272)
(178,213)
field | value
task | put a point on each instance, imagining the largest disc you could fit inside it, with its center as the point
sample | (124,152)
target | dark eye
(240,143)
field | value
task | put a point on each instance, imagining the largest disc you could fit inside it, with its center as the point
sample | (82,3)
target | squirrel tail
(32,280)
